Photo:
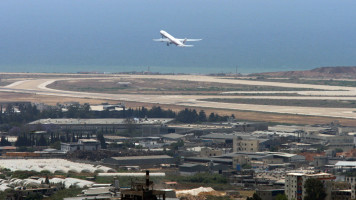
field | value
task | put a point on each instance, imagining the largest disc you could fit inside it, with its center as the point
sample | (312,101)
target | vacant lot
(291,102)
(156,86)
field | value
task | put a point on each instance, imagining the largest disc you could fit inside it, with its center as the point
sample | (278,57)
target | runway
(40,87)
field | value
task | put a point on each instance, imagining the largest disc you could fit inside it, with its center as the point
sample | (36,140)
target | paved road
(39,86)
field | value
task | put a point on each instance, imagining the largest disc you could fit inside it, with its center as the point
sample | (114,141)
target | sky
(116,35)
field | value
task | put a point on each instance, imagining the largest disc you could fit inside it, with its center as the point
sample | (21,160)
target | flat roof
(232,136)
(141,157)
(346,164)
(71,121)
(173,136)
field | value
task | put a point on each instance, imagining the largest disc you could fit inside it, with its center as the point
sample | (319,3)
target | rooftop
(141,157)
(71,121)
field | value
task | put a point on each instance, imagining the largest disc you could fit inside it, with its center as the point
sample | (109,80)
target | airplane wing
(161,40)
(189,40)
(185,45)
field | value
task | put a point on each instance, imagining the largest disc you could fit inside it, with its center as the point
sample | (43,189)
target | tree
(101,138)
(281,197)
(254,197)
(47,180)
(338,150)
(187,116)
(314,189)
(130,125)
(202,116)
(212,117)
(4,141)
(42,141)
(22,141)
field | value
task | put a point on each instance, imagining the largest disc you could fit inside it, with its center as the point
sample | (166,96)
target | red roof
(8,148)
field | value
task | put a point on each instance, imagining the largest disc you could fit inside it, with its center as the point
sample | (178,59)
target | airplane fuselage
(169,39)
(172,39)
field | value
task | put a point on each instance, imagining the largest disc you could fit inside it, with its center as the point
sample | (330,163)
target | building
(269,194)
(341,195)
(151,126)
(240,160)
(294,184)
(81,145)
(245,145)
(193,168)
(352,182)
(208,152)
(142,161)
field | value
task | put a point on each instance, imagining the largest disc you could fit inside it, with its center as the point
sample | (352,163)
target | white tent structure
(52,165)
(5,184)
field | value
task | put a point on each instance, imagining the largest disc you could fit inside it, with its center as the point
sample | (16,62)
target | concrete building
(82,144)
(193,168)
(269,194)
(248,145)
(240,160)
(294,184)
(352,182)
(208,152)
(148,127)
(341,195)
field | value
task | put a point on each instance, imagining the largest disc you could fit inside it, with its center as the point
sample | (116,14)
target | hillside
(321,72)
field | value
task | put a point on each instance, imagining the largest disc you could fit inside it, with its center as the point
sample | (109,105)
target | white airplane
(166,37)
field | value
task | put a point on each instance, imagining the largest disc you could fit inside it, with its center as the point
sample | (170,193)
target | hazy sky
(116,35)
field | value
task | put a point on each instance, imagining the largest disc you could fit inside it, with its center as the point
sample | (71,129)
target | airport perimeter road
(39,86)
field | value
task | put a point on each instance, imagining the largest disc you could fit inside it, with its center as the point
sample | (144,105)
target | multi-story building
(208,152)
(245,145)
(294,184)
(352,181)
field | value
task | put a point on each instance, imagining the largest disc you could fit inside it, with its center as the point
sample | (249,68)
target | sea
(244,36)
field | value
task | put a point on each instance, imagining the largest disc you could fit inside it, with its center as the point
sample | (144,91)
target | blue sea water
(116,35)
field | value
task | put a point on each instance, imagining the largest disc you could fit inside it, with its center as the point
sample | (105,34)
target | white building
(83,144)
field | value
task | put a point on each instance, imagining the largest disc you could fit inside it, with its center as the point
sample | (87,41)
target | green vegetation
(338,150)
(254,197)
(246,166)
(314,189)
(60,195)
(191,116)
(27,174)
(216,181)
(281,197)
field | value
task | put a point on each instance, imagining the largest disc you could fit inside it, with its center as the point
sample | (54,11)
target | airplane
(166,37)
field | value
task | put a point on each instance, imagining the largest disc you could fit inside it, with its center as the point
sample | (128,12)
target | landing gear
(167,44)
